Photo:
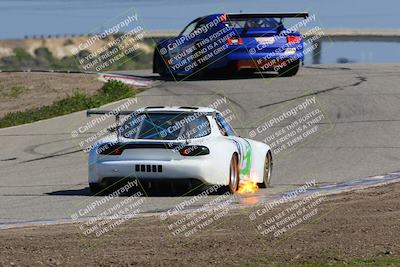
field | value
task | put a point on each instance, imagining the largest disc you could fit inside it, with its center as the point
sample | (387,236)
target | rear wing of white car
(118,113)
(91,112)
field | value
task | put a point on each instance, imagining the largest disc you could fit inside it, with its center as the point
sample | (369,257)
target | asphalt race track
(44,174)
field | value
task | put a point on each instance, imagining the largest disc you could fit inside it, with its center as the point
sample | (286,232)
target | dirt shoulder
(347,228)
(26,90)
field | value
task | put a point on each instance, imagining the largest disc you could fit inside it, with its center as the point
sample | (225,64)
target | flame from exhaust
(247,187)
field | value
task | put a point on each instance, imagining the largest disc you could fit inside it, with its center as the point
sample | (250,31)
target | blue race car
(232,43)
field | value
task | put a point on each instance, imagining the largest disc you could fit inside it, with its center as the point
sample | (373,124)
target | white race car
(186,144)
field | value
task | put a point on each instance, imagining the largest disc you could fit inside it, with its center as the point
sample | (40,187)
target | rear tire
(289,70)
(233,175)
(247,72)
(95,187)
(200,70)
(160,66)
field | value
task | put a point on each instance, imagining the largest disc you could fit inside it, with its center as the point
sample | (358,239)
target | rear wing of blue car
(280,16)
(267,15)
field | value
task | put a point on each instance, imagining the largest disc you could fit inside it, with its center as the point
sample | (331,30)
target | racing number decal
(246,162)
(244,150)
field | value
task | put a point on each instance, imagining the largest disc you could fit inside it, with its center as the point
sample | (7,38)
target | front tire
(233,175)
(160,66)
(200,70)
(267,171)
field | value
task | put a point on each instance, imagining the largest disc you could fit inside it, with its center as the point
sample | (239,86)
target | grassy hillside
(58,53)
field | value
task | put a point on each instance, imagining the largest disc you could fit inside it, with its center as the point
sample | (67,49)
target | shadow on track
(219,76)
(211,76)
(72,192)
(163,190)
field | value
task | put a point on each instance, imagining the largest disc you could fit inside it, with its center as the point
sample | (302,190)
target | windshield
(166,126)
(252,23)
(190,27)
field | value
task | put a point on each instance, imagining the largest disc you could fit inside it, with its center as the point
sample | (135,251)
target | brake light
(235,41)
(294,39)
(117,151)
(194,151)
(110,149)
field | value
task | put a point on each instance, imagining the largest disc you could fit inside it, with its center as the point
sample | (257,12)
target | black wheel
(247,72)
(200,69)
(198,74)
(159,65)
(95,187)
(233,175)
(267,171)
(290,70)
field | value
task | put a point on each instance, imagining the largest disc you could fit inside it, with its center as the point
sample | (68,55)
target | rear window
(166,126)
(252,23)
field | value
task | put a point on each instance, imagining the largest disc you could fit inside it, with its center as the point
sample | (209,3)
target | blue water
(19,18)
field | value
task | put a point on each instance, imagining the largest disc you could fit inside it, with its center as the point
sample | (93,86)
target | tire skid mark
(32,149)
(361,79)
(52,156)
(329,68)
(8,159)
(234,102)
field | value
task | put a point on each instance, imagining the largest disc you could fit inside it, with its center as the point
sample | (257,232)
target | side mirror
(280,25)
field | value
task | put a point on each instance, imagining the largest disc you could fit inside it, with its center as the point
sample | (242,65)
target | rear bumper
(263,56)
(265,61)
(261,65)
(199,168)
(233,55)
